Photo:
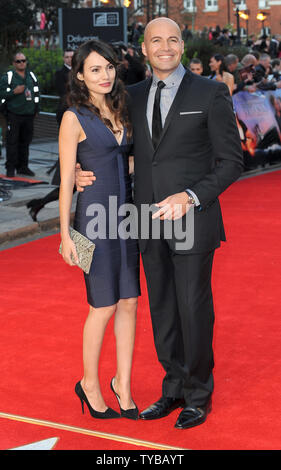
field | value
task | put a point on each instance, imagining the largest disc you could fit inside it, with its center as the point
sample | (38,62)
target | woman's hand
(68,252)
(131,165)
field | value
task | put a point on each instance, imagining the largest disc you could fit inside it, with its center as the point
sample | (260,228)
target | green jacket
(18,104)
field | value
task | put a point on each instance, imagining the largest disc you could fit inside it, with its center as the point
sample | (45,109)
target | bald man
(187,151)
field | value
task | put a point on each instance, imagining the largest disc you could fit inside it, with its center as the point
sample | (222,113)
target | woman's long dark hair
(78,94)
(220,57)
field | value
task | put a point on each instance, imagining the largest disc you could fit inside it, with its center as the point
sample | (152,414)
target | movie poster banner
(259,122)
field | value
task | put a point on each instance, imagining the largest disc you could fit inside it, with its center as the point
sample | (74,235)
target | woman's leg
(124,328)
(94,331)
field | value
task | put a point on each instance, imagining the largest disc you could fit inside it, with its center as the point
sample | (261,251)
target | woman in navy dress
(95,131)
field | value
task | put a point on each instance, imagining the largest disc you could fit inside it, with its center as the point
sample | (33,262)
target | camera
(119,47)
(248,74)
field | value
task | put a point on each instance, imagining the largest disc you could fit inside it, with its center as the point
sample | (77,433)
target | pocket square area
(190,112)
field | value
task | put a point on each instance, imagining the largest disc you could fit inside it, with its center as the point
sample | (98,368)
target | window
(263,4)
(243,32)
(160,7)
(138,5)
(266,30)
(211,4)
(242,5)
(189,4)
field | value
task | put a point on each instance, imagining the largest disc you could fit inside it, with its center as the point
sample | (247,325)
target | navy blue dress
(114,273)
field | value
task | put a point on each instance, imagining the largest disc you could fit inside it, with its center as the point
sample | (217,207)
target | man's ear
(182,46)
(143,49)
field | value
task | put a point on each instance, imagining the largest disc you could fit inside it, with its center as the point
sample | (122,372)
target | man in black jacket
(132,69)
(61,78)
(187,151)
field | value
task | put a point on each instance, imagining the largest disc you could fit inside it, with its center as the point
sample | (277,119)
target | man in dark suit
(181,169)
(61,78)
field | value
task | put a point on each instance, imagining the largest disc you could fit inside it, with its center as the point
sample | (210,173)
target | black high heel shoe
(33,209)
(108,414)
(132,413)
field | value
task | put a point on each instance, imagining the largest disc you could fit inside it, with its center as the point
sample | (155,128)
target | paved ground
(16,225)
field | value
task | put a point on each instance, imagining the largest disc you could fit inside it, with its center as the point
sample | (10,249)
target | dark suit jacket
(199,149)
(61,79)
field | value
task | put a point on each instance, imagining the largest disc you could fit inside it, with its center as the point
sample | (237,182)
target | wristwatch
(191,199)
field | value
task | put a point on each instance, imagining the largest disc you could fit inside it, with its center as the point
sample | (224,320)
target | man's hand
(83,178)
(173,207)
(19,89)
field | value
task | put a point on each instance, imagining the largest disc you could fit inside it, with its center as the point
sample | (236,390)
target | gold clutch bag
(84,248)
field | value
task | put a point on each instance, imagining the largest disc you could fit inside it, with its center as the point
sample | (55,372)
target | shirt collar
(174,79)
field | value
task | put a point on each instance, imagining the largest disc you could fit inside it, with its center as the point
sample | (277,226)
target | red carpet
(43,312)
(19,181)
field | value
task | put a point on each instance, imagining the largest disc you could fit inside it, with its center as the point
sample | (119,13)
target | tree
(15,19)
(18,17)
(50,9)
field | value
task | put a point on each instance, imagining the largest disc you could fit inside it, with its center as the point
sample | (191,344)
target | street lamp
(262,17)
(237,3)
(245,16)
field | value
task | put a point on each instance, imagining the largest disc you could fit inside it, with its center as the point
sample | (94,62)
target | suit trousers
(18,138)
(181,306)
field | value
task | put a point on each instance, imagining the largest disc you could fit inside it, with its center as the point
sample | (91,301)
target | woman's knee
(129,304)
(105,312)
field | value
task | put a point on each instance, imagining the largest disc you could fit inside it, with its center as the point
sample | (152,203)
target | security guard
(20,92)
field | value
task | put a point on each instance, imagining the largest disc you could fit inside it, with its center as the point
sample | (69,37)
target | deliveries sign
(78,25)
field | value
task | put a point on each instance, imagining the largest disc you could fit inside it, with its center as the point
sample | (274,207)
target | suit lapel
(174,107)
(176,103)
(143,112)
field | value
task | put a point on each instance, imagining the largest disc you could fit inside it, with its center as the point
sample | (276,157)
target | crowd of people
(259,69)
(256,71)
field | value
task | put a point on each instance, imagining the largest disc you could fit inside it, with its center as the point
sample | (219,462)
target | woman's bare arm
(69,136)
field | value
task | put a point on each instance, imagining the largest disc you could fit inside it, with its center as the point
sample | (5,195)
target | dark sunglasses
(19,61)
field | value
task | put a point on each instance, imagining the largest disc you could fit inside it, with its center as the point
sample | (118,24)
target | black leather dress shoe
(10,173)
(161,408)
(25,171)
(193,416)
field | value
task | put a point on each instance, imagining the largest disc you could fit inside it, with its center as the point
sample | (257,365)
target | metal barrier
(52,98)
(45,124)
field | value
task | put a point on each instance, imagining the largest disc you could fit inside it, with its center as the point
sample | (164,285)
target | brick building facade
(200,14)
